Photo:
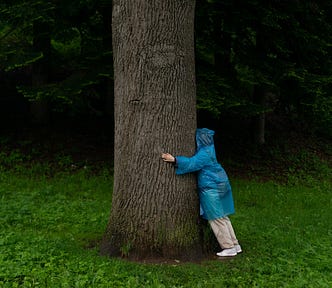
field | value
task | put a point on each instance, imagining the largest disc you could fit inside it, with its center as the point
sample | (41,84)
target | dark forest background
(263,72)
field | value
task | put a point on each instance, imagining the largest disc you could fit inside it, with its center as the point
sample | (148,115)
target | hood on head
(204,137)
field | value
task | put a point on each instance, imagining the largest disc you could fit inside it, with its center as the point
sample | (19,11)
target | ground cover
(50,227)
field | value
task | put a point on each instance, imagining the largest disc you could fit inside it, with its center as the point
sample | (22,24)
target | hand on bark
(167,157)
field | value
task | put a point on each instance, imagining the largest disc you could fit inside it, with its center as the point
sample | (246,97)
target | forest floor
(50,228)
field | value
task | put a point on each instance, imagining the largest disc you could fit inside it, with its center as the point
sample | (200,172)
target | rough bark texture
(154,213)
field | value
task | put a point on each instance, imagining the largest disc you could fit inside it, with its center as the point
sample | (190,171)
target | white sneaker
(238,248)
(227,252)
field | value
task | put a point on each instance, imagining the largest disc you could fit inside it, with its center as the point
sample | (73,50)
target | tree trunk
(39,109)
(106,12)
(259,91)
(258,121)
(223,41)
(105,9)
(154,213)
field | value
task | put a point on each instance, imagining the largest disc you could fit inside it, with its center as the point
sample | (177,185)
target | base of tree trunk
(204,249)
(189,254)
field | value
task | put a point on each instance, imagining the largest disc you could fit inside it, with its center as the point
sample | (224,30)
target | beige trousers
(224,232)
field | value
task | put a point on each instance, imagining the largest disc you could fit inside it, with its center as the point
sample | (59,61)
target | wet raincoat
(215,193)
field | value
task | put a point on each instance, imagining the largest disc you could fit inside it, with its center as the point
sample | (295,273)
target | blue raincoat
(215,193)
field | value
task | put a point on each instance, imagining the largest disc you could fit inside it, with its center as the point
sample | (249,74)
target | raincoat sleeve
(191,164)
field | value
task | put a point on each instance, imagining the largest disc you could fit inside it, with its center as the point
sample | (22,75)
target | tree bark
(154,213)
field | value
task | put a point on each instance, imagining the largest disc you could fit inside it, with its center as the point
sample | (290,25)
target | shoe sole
(229,255)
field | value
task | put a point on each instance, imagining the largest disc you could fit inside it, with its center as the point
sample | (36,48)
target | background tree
(153,212)
(67,42)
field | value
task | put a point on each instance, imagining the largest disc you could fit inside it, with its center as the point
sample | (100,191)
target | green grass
(48,224)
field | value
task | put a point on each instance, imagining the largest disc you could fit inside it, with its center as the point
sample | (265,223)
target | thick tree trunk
(154,213)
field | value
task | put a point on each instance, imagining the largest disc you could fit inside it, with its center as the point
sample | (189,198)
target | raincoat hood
(204,137)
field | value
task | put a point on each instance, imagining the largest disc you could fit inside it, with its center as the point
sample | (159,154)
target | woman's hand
(167,157)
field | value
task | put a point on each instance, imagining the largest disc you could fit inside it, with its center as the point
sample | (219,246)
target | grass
(48,225)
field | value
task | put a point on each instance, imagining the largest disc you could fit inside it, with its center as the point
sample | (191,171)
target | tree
(154,213)
(41,44)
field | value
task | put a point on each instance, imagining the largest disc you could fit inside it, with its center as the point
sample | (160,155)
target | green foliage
(12,158)
(307,168)
(68,43)
(282,48)
(64,38)
(210,98)
(50,229)
(125,249)
(73,93)
(16,35)
(29,158)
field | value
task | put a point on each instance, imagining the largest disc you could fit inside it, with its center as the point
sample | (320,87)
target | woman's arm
(187,164)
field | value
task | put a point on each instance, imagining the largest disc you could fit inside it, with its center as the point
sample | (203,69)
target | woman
(215,193)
